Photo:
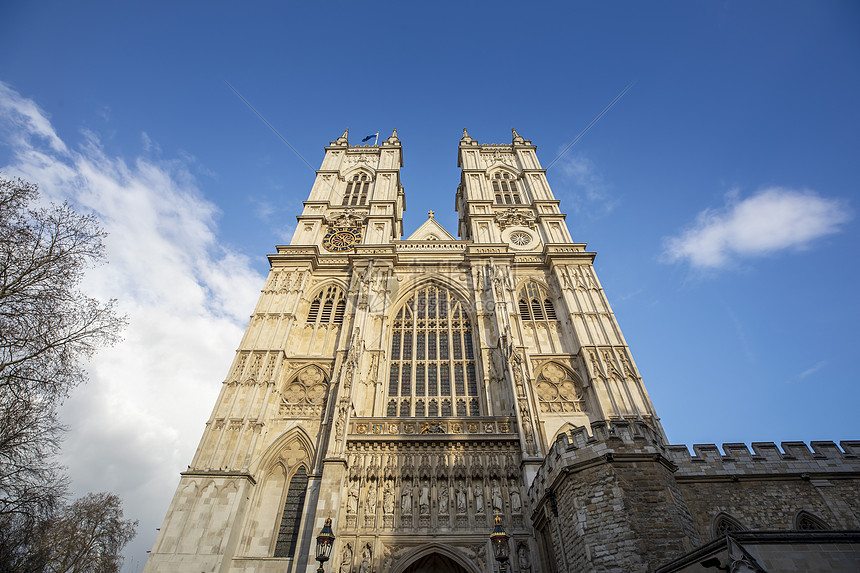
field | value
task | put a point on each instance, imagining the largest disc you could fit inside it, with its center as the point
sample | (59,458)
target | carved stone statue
(497,497)
(352,499)
(479,498)
(371,498)
(346,559)
(461,498)
(366,557)
(424,498)
(523,558)
(516,501)
(443,498)
(406,499)
(388,499)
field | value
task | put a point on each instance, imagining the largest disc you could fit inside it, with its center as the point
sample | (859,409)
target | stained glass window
(288,533)
(431,343)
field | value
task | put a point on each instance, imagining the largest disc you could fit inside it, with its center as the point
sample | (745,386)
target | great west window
(432,370)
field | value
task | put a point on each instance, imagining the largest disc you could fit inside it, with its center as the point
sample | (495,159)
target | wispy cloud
(585,182)
(812,370)
(774,219)
(137,421)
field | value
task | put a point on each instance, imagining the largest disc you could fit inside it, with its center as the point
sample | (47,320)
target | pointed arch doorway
(435,563)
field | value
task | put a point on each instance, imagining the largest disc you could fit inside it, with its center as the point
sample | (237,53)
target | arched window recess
(505,189)
(432,371)
(328,307)
(357,189)
(291,517)
(535,303)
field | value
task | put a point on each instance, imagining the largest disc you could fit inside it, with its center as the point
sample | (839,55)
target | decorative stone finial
(431,214)
(515,132)
(466,134)
(394,133)
(343,138)
(517,137)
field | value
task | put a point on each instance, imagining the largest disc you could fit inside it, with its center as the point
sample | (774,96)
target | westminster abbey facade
(411,389)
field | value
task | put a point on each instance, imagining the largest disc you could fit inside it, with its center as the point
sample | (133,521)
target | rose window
(521,238)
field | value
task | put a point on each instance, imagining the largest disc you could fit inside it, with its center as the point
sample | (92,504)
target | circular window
(521,238)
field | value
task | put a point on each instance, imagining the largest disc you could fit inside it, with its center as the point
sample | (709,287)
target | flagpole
(376,143)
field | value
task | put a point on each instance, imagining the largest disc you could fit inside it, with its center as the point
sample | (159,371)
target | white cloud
(135,425)
(812,370)
(588,186)
(772,220)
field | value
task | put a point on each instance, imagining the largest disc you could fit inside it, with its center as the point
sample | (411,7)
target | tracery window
(356,190)
(805,521)
(288,533)
(432,357)
(558,390)
(724,524)
(505,189)
(535,303)
(328,307)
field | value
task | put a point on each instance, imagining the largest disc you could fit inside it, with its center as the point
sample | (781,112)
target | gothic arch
(271,456)
(408,289)
(429,549)
(806,521)
(347,174)
(499,166)
(327,305)
(724,523)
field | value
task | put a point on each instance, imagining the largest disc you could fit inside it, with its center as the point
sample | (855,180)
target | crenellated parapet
(793,459)
(579,449)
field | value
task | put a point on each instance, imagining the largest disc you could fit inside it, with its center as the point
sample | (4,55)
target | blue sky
(720,193)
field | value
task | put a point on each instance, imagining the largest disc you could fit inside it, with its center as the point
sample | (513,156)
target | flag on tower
(371,136)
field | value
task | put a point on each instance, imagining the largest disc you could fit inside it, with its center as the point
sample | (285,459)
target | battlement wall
(766,459)
(591,472)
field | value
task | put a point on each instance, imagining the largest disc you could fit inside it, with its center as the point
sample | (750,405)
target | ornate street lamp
(325,541)
(499,538)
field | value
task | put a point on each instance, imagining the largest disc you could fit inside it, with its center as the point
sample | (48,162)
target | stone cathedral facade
(411,389)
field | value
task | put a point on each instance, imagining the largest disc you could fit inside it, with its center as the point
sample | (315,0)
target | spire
(343,138)
(517,137)
(394,133)
(393,138)
(466,136)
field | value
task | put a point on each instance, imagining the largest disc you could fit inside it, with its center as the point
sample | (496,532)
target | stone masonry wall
(618,507)
(766,488)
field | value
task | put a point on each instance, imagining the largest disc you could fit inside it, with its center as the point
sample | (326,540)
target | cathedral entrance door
(435,563)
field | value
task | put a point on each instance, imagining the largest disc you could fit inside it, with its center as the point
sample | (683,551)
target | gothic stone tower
(411,388)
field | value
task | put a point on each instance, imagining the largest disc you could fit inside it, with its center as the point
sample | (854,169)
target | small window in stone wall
(724,524)
(805,521)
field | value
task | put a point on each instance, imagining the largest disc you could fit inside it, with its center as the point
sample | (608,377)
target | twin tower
(413,389)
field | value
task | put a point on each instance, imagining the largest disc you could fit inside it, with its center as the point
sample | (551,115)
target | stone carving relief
(306,395)
(366,559)
(516,218)
(557,390)
(346,559)
(523,559)
(349,218)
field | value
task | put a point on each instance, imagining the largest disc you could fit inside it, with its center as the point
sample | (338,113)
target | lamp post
(499,538)
(325,541)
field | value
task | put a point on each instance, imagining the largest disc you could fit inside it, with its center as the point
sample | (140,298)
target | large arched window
(535,303)
(328,306)
(288,533)
(505,189)
(432,357)
(356,190)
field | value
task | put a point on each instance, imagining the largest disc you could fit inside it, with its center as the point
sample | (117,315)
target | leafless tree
(48,329)
(87,536)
